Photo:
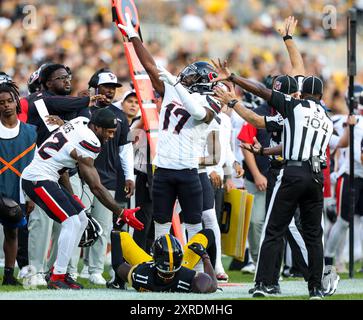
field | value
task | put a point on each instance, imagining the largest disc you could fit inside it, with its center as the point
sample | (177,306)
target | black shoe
(276,287)
(116,285)
(261,290)
(11,281)
(316,294)
(72,283)
(236,265)
(58,284)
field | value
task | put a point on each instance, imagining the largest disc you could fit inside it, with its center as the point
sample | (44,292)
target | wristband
(287,37)
(232,103)
(205,256)
(231,76)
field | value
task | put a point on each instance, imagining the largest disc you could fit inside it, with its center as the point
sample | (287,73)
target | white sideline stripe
(55,202)
(288,288)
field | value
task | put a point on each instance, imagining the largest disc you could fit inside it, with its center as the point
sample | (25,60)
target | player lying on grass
(170,269)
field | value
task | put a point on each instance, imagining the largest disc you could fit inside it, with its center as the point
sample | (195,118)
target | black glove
(197,248)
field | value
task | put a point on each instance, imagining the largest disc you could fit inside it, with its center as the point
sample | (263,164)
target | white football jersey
(358,138)
(179,139)
(53,156)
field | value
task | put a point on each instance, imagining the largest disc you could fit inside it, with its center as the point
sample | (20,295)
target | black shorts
(56,202)
(184,185)
(208,192)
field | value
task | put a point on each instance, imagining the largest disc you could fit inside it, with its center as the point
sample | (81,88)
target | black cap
(285,84)
(312,85)
(104,118)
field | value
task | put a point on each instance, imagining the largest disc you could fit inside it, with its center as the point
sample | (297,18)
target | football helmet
(251,101)
(5,78)
(91,233)
(197,77)
(34,79)
(167,253)
(10,211)
(358,99)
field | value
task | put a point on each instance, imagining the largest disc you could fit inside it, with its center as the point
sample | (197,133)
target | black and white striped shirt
(307,127)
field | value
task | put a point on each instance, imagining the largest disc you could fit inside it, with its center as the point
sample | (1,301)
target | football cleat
(261,290)
(116,285)
(10,281)
(222,277)
(72,283)
(315,294)
(330,280)
(249,268)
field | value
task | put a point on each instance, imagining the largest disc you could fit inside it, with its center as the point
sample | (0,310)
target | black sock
(116,250)
(328,261)
(8,272)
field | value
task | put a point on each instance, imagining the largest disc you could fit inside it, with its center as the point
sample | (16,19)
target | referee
(307,131)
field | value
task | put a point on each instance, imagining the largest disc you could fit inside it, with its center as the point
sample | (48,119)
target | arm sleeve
(195,108)
(247,133)
(59,104)
(274,123)
(126,153)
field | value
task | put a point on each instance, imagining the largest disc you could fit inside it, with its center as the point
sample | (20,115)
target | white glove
(129,28)
(166,76)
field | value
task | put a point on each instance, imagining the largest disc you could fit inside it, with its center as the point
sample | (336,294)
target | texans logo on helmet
(277,85)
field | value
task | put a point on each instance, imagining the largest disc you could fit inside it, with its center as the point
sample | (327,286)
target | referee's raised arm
(279,101)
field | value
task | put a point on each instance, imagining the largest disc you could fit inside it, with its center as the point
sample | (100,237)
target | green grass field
(292,289)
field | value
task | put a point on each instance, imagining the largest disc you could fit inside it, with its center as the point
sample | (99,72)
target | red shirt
(23,115)
(247,133)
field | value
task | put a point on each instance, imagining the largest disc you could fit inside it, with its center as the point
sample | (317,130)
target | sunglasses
(63,78)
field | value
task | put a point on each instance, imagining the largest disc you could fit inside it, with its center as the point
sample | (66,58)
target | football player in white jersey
(186,110)
(78,141)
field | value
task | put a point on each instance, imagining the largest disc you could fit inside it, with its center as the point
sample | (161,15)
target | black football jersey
(143,277)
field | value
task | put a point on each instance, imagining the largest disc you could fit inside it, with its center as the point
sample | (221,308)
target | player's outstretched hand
(197,248)
(222,70)
(128,216)
(166,76)
(288,28)
(129,28)
(223,96)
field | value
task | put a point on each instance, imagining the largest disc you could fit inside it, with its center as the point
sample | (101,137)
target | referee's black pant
(293,238)
(296,185)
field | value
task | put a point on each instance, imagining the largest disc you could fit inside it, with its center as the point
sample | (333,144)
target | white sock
(210,221)
(162,228)
(337,234)
(84,222)
(193,229)
(66,243)
(183,232)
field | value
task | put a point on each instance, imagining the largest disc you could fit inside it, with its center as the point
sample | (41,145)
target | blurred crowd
(80,34)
